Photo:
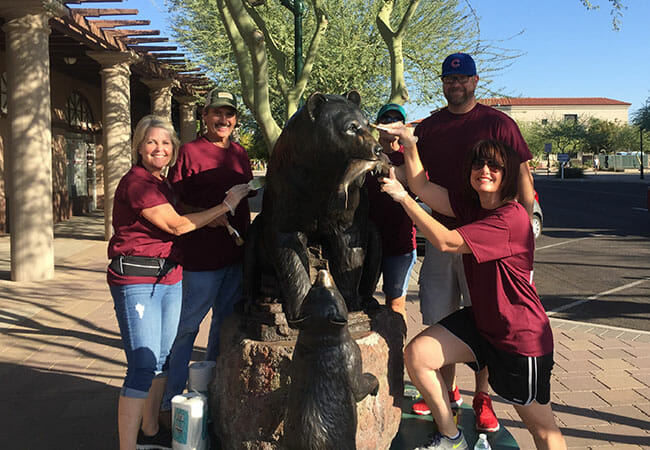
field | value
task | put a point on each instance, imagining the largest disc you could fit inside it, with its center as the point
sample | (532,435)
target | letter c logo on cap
(455,63)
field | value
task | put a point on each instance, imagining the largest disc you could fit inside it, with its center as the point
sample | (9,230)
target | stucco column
(116,121)
(160,92)
(187,118)
(30,147)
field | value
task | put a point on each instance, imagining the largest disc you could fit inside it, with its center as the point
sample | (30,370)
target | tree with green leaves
(616,10)
(565,135)
(641,117)
(376,47)
(600,135)
(590,135)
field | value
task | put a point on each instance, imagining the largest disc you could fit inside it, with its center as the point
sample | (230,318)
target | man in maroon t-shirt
(443,140)
(211,256)
(395,226)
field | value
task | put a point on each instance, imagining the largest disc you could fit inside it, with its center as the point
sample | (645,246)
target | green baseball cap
(391,107)
(220,97)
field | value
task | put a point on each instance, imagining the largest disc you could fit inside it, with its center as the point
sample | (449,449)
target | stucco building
(72,86)
(552,109)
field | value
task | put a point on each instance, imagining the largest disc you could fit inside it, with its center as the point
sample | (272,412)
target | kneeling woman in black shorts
(506,328)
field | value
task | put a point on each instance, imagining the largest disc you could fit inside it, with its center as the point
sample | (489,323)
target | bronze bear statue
(315,209)
(327,379)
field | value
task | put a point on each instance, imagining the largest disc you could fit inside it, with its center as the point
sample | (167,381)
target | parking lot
(592,262)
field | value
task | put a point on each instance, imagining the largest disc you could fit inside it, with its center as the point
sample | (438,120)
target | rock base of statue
(266,322)
(249,391)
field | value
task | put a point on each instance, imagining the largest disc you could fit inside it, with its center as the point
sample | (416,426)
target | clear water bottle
(482,443)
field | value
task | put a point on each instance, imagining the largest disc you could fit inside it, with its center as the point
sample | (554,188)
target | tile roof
(550,101)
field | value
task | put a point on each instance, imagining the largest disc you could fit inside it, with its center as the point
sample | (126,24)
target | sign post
(547,149)
(562,158)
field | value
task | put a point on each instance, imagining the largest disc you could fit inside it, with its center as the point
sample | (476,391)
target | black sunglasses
(494,166)
(390,119)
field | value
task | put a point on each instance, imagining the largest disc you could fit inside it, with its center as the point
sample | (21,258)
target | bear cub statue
(326,375)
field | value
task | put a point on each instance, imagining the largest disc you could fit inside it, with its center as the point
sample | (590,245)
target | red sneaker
(486,420)
(420,408)
(455,400)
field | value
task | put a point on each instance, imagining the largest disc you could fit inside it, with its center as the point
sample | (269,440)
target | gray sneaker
(439,442)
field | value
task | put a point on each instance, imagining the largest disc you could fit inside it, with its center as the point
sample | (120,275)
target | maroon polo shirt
(200,178)
(499,272)
(445,138)
(135,235)
(395,226)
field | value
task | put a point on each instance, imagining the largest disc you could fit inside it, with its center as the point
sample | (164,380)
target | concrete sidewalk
(62,364)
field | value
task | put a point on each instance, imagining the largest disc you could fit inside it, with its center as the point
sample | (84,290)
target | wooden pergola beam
(153,48)
(98,12)
(144,40)
(76,2)
(133,32)
(168,55)
(118,23)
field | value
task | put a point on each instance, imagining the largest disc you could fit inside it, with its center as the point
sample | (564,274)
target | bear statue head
(323,310)
(339,122)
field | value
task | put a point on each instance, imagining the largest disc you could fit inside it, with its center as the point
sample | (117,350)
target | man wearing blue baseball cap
(443,140)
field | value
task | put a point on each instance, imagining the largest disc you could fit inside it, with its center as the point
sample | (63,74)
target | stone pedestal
(248,393)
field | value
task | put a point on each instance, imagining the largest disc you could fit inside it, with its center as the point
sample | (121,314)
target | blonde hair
(141,130)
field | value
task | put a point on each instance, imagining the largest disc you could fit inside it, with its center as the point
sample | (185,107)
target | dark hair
(503,154)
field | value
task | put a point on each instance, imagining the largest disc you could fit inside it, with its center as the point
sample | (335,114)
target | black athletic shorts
(518,379)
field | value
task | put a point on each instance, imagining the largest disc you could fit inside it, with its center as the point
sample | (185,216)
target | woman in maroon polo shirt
(145,278)
(506,328)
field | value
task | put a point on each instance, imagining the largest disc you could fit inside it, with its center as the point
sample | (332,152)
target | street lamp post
(641,133)
(297,8)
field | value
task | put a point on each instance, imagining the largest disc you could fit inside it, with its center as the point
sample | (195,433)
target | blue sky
(567,50)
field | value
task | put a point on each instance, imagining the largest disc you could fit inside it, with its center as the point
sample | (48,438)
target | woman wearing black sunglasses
(506,328)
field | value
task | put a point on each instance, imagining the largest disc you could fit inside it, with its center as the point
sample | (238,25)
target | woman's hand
(234,196)
(403,133)
(393,187)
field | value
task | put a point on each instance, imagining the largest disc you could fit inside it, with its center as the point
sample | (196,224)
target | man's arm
(526,190)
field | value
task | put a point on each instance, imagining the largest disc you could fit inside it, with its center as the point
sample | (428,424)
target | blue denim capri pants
(148,316)
(396,271)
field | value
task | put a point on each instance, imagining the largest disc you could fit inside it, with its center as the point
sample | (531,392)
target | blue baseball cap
(458,64)
(391,107)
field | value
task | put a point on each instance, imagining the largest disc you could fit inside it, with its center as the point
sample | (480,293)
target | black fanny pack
(141,266)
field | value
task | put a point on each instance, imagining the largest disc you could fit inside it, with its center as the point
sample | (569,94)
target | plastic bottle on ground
(482,443)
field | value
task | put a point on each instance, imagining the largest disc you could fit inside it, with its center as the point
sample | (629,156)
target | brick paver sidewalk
(61,361)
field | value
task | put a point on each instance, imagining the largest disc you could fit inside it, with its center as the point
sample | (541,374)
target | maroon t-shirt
(200,178)
(395,226)
(135,235)
(499,272)
(444,138)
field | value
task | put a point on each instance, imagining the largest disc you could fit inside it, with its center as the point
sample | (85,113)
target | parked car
(538,217)
(537,224)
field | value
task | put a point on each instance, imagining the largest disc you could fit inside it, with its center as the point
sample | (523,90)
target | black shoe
(159,441)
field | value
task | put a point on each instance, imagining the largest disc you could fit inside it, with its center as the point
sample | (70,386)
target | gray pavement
(61,361)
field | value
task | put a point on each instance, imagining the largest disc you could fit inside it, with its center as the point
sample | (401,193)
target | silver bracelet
(232,211)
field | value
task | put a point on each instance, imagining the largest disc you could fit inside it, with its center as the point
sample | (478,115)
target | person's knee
(419,355)
(540,422)
(548,434)
(139,378)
